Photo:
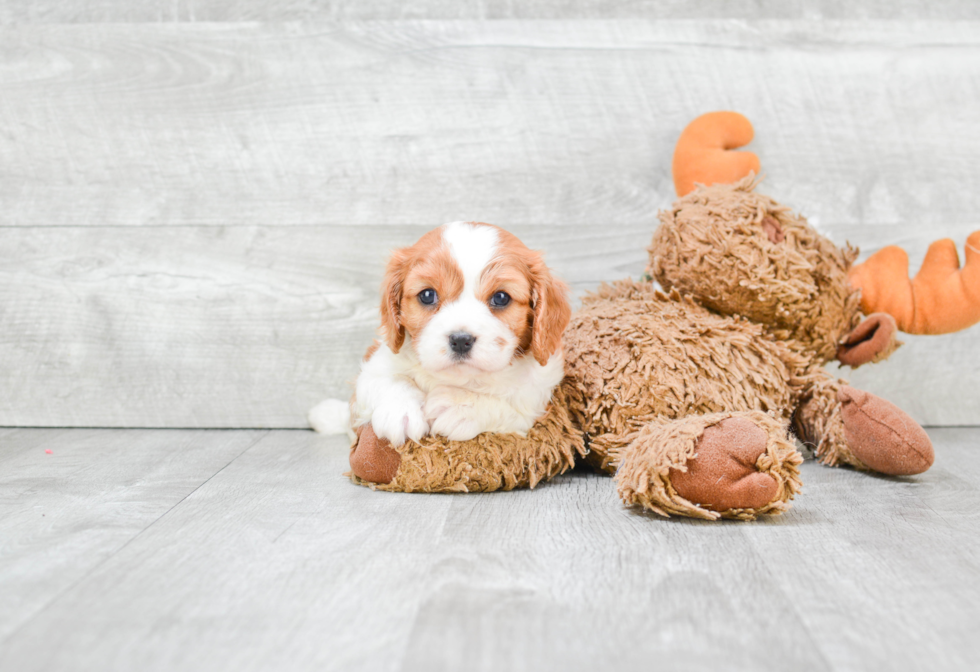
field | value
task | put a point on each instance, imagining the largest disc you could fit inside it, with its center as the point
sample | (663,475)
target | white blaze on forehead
(472,247)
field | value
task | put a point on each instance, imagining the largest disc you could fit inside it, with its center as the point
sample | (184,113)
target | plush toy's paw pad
(373,459)
(882,435)
(723,474)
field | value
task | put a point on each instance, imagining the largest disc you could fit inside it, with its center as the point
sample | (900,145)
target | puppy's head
(472,296)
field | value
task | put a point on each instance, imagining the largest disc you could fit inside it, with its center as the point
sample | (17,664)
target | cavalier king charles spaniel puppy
(470,340)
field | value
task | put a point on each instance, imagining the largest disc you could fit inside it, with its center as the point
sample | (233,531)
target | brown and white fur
(451,359)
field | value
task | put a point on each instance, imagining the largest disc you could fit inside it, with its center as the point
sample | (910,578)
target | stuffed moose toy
(691,394)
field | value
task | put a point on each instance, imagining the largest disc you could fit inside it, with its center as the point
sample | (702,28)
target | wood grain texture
(211,326)
(277,562)
(116,11)
(195,216)
(872,597)
(65,513)
(539,122)
(252,326)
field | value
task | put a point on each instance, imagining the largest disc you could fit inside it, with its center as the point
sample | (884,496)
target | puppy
(470,339)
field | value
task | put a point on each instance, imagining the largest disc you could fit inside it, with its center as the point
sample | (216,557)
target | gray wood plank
(564,578)
(252,326)
(877,567)
(210,326)
(63,514)
(537,122)
(277,562)
(64,11)
(377,131)
(15,441)
(961,445)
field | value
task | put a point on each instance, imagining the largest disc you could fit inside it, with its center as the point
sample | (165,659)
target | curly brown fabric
(644,480)
(489,461)
(634,355)
(819,424)
(717,246)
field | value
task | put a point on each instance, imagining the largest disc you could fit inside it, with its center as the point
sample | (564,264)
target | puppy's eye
(428,297)
(500,299)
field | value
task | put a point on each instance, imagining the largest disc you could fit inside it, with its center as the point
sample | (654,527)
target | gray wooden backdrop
(196,200)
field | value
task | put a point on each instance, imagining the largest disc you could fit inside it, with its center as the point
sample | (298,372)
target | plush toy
(691,396)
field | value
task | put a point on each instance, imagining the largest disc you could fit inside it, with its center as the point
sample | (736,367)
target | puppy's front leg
(460,415)
(452,414)
(389,401)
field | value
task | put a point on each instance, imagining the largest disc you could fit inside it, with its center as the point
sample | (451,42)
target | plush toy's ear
(551,313)
(391,300)
(941,299)
(870,341)
(703,154)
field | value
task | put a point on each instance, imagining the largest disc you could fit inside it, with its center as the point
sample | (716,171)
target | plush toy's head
(738,252)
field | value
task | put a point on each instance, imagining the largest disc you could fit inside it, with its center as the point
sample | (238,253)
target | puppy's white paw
(437,402)
(397,421)
(456,424)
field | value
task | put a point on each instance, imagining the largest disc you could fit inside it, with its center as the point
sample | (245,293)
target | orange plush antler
(942,298)
(703,154)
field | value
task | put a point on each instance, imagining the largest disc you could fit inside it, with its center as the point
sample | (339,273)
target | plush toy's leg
(485,463)
(850,426)
(731,465)
(373,459)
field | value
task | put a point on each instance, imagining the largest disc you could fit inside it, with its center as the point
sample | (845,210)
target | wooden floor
(248,550)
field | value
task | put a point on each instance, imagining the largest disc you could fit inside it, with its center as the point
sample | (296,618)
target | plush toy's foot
(844,425)
(731,465)
(373,459)
(722,475)
(882,436)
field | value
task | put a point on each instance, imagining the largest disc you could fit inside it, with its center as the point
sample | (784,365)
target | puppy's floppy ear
(391,300)
(551,312)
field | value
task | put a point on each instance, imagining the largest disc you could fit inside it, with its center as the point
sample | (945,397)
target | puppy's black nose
(461,342)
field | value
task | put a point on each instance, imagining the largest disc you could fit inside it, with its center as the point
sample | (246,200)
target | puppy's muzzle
(461,343)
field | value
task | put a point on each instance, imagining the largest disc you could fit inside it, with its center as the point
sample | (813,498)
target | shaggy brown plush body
(687,395)
(634,355)
(758,303)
